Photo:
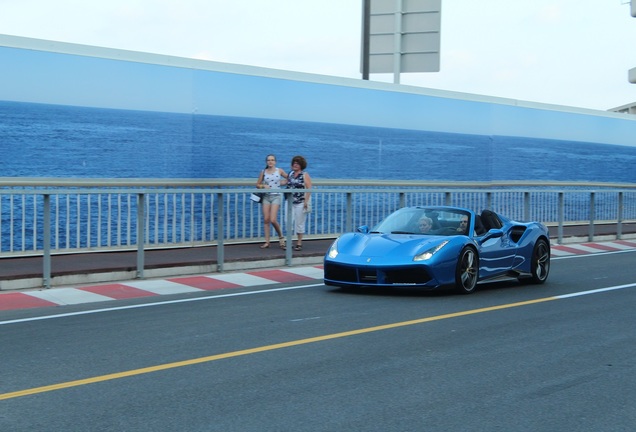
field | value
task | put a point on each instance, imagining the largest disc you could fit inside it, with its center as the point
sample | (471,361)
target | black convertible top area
(487,221)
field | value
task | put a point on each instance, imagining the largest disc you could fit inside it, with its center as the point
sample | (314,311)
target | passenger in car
(425,224)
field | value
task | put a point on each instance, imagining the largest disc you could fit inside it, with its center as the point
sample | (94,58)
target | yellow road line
(239,353)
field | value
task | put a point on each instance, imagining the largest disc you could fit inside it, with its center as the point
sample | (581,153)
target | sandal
(264,246)
(281,242)
(298,248)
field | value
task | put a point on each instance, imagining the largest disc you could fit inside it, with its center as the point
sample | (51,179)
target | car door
(496,253)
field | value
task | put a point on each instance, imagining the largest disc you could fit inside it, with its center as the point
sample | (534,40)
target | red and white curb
(150,288)
(589,248)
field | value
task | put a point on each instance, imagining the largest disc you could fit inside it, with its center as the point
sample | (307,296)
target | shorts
(271,198)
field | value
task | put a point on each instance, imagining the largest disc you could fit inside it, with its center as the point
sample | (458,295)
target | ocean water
(38,140)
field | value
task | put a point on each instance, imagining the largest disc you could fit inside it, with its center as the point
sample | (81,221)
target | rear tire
(540,264)
(467,271)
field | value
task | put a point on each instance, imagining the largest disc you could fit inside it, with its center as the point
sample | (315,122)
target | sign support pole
(397,43)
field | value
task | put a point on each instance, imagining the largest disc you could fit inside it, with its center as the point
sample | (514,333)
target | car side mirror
(363,229)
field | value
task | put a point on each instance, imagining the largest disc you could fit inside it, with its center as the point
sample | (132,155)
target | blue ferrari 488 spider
(432,247)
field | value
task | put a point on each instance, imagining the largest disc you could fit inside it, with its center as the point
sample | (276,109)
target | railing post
(526,206)
(220,221)
(561,217)
(619,222)
(349,215)
(590,236)
(141,234)
(290,228)
(46,246)
(447,198)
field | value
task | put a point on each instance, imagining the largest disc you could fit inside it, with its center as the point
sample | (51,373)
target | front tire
(540,264)
(467,271)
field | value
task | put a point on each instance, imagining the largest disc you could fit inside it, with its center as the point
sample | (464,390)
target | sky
(575,53)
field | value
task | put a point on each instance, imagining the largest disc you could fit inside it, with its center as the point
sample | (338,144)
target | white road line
(159,303)
(596,291)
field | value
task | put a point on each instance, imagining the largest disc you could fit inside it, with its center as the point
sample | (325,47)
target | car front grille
(412,275)
(340,273)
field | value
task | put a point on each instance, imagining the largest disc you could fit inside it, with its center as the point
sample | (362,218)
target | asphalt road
(313,358)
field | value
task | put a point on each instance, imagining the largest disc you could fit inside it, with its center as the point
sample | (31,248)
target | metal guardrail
(54,216)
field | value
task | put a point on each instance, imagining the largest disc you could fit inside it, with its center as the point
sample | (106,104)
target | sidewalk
(83,268)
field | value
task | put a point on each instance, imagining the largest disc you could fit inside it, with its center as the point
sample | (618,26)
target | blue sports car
(432,247)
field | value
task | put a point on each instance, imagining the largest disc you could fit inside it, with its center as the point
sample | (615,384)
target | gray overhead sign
(401,36)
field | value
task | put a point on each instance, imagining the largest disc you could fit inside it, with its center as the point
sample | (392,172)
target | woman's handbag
(256,197)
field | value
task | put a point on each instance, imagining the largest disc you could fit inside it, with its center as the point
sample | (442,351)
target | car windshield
(429,221)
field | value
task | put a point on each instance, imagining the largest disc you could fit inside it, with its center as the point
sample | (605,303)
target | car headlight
(429,253)
(333,250)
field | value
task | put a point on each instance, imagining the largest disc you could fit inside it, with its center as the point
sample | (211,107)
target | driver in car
(463,225)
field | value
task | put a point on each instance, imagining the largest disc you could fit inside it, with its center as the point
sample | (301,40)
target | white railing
(54,216)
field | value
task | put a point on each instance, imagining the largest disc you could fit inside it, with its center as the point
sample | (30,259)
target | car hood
(377,245)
